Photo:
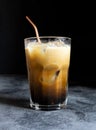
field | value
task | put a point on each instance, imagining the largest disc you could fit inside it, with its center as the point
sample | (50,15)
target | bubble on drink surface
(30,46)
(56,43)
(43,48)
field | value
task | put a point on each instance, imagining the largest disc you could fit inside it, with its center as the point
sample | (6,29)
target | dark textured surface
(15,113)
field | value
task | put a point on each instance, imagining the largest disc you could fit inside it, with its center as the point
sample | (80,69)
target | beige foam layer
(46,55)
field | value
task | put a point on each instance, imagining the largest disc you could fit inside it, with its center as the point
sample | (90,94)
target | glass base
(48,107)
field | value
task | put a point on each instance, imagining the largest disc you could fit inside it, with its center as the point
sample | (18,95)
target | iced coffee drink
(48,66)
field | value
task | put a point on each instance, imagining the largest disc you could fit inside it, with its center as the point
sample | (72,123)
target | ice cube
(50,73)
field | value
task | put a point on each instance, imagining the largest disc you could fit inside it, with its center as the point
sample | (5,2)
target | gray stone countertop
(15,113)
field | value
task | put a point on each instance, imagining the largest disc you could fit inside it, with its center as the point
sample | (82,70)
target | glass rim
(28,38)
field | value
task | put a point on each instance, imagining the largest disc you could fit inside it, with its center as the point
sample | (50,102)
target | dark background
(61,18)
